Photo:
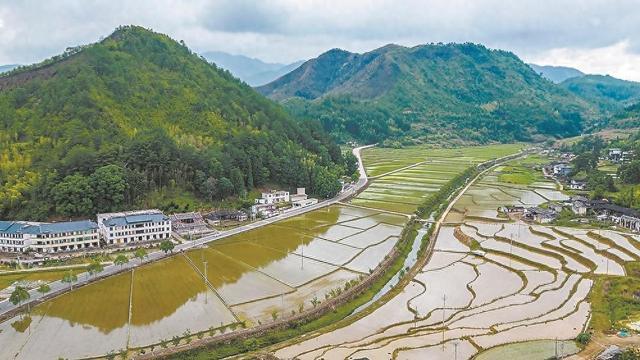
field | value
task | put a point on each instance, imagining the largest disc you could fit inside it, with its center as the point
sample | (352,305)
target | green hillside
(104,125)
(608,93)
(452,91)
(627,118)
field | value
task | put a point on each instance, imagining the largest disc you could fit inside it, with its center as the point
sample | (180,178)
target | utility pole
(511,249)
(455,350)
(206,281)
(444,305)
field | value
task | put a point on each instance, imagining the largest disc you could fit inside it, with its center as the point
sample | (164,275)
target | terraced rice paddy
(521,284)
(273,269)
(403,178)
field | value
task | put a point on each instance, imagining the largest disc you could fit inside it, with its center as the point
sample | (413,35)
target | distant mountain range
(253,71)
(437,91)
(557,74)
(5,68)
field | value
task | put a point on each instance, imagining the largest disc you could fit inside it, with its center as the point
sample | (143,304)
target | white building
(274,197)
(300,199)
(134,227)
(19,236)
(561,169)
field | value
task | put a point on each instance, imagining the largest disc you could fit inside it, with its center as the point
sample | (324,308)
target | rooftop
(20,227)
(124,220)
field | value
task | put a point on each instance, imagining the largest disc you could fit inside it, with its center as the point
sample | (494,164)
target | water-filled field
(278,269)
(403,178)
(490,281)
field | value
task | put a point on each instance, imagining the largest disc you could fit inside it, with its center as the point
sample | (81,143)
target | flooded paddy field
(404,178)
(493,286)
(275,269)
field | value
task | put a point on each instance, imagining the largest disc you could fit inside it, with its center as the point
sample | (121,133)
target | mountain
(433,92)
(253,71)
(608,93)
(5,68)
(627,118)
(557,74)
(137,118)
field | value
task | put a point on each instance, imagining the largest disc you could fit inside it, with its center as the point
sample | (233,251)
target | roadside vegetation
(615,299)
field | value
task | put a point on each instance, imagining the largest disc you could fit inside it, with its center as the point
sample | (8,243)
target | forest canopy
(101,126)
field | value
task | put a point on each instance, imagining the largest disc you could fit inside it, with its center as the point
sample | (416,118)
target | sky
(595,36)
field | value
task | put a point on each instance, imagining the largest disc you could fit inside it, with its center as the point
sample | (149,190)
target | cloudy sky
(596,36)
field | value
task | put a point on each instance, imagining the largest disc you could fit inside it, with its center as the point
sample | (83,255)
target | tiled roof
(135,219)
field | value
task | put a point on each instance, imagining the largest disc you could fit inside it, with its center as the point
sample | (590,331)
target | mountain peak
(425,89)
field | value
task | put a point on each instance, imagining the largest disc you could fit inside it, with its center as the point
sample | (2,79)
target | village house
(577,185)
(273,197)
(215,217)
(579,205)
(512,209)
(190,223)
(561,170)
(19,236)
(130,227)
(301,199)
(540,215)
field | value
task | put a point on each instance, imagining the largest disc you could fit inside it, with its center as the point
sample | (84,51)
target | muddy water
(278,267)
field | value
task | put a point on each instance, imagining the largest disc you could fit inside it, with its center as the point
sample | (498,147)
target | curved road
(58,287)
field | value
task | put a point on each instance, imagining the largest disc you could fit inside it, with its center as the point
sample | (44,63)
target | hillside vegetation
(101,126)
(463,91)
(606,92)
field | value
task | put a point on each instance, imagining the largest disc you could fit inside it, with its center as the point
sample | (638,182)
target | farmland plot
(521,282)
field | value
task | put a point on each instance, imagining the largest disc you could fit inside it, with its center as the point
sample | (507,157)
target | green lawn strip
(47,275)
(615,299)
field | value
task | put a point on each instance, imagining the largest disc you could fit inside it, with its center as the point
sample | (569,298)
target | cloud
(617,60)
(288,30)
(238,16)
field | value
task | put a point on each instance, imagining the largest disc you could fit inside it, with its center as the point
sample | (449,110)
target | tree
(630,173)
(583,338)
(19,295)
(167,246)
(600,180)
(585,162)
(140,254)
(44,288)
(70,278)
(73,195)
(351,163)
(630,354)
(238,181)
(226,188)
(326,184)
(109,186)
(95,267)
(120,260)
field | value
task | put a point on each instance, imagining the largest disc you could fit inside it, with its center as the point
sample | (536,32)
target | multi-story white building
(134,227)
(19,236)
(273,197)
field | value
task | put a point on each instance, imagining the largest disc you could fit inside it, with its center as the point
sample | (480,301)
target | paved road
(83,278)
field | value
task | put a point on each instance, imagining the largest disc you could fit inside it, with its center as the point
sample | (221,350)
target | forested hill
(102,126)
(438,91)
(608,93)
